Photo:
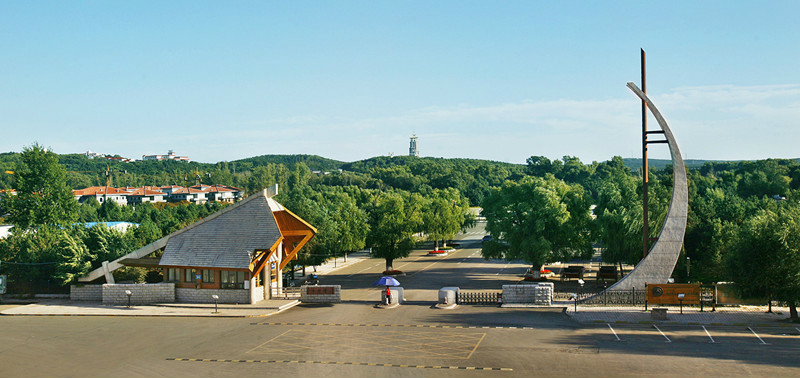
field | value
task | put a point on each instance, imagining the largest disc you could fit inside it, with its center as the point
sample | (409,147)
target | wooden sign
(668,294)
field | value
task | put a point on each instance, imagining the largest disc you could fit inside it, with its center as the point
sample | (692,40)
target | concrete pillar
(278,267)
(107,273)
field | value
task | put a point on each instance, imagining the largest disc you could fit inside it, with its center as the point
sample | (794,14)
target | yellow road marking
(389,325)
(342,363)
(262,344)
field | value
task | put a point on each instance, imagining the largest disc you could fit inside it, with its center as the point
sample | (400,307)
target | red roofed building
(102,194)
(145,194)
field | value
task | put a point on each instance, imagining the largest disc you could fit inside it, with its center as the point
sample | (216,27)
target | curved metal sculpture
(657,267)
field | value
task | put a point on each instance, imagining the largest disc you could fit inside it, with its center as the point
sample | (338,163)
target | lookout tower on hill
(412,148)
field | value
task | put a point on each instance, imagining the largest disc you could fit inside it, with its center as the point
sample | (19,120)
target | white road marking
(662,333)
(759,337)
(709,335)
(612,330)
(365,269)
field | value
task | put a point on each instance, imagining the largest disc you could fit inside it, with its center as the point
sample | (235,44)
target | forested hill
(314,162)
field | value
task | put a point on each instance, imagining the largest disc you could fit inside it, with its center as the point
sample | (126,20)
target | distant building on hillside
(412,149)
(169,156)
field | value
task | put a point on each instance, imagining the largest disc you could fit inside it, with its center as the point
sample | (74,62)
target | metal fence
(479,298)
(286,292)
(631,297)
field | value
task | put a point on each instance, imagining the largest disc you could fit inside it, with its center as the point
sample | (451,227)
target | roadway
(357,339)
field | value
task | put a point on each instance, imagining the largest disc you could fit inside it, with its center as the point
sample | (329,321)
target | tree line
(543,211)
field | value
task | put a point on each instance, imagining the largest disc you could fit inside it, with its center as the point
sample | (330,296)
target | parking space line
(759,337)
(709,335)
(662,333)
(612,330)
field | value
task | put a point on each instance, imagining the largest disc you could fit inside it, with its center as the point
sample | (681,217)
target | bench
(607,272)
(573,271)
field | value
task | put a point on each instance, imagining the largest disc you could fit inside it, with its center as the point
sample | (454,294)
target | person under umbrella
(387,281)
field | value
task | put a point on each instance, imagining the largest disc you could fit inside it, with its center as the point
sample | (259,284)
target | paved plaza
(354,338)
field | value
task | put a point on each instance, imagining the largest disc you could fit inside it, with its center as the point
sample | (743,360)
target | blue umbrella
(386,281)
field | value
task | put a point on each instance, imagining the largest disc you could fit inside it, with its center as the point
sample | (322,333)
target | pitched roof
(95,190)
(227,239)
(145,191)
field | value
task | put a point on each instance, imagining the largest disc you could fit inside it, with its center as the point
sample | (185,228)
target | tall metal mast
(645,165)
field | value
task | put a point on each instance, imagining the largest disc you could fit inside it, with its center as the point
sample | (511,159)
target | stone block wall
(140,293)
(237,296)
(86,293)
(321,294)
(538,294)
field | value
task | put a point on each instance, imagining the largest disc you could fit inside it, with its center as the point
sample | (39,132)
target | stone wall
(86,293)
(140,293)
(321,294)
(237,296)
(538,294)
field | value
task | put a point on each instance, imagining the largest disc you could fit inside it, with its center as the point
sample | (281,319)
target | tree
(444,214)
(393,220)
(43,197)
(538,220)
(74,259)
(766,258)
(619,221)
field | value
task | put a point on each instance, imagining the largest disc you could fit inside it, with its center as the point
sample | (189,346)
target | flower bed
(438,252)
(392,272)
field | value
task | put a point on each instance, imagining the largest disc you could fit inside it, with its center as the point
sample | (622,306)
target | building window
(208,276)
(173,274)
(232,280)
(189,275)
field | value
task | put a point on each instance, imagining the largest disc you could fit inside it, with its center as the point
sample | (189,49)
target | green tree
(43,197)
(538,220)
(74,259)
(766,257)
(393,220)
(619,221)
(444,214)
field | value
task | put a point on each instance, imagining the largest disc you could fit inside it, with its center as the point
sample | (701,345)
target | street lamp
(574,297)
(680,299)
(216,299)
(128,293)
(688,265)
(580,289)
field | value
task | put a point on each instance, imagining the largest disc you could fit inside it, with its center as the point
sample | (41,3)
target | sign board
(3,280)
(668,294)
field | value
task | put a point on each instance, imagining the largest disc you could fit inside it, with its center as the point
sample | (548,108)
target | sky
(350,80)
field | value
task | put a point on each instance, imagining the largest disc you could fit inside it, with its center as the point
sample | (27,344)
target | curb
(209,315)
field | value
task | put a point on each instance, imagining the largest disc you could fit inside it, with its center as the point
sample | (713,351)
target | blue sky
(352,80)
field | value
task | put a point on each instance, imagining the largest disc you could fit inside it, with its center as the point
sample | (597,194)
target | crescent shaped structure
(657,266)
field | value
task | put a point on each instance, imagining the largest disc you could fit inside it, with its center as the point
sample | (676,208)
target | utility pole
(645,166)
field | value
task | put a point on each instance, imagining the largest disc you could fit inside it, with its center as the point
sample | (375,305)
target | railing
(286,293)
(479,298)
(631,297)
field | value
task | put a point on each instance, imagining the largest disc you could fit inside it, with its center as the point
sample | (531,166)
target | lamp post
(128,293)
(580,289)
(216,299)
(680,299)
(575,298)
(688,265)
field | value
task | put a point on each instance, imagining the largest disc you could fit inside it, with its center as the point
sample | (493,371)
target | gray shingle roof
(223,240)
